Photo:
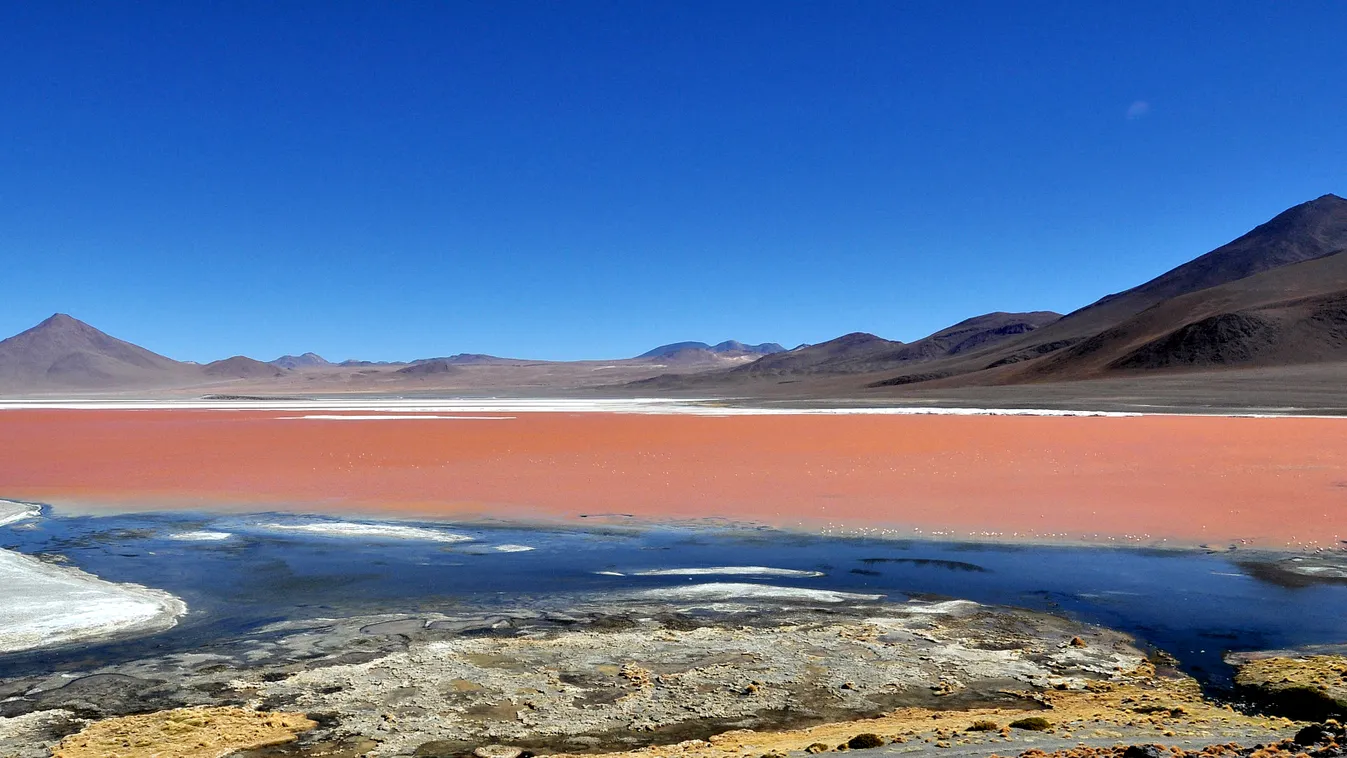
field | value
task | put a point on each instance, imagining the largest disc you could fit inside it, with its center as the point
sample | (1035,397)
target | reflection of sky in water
(1192,605)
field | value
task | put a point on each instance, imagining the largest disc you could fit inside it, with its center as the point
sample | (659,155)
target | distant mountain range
(65,354)
(1275,297)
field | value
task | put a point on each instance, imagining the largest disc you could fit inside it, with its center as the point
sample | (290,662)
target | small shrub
(1033,724)
(984,726)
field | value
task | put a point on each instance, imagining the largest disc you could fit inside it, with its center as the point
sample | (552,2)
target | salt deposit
(200,536)
(11,511)
(392,417)
(728,571)
(359,530)
(740,591)
(432,407)
(48,605)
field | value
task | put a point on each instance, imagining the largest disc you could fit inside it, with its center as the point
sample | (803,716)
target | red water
(1190,479)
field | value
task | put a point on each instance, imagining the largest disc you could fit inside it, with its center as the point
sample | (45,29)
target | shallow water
(1192,605)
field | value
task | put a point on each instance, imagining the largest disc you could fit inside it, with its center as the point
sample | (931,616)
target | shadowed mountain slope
(1305,232)
(1285,316)
(1295,255)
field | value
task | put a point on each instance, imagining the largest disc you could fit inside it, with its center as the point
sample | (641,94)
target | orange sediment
(1275,482)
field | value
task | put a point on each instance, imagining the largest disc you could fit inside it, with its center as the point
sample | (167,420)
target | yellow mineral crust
(183,733)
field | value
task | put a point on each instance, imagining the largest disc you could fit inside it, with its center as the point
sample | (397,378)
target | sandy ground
(1271,481)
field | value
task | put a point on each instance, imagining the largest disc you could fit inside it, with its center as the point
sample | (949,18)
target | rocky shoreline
(718,678)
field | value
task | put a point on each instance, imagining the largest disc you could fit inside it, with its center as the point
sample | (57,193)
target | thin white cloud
(1137,109)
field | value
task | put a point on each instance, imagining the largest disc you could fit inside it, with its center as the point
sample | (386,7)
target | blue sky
(590,179)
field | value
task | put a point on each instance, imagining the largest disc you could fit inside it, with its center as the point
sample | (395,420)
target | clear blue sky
(578,179)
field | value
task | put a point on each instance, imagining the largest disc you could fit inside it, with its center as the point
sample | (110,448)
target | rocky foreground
(718,678)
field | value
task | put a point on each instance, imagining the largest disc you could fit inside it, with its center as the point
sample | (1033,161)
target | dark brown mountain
(66,353)
(1259,269)
(1290,315)
(1308,231)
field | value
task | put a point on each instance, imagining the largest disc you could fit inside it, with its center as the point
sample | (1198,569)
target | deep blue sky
(577,179)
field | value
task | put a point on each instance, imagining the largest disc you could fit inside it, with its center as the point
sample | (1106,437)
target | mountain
(850,353)
(728,347)
(300,361)
(241,367)
(1305,232)
(664,351)
(1233,306)
(355,362)
(464,359)
(863,353)
(735,346)
(433,367)
(1290,315)
(1272,297)
(860,353)
(64,352)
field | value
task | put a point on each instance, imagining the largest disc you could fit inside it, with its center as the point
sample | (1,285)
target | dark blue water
(1192,605)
